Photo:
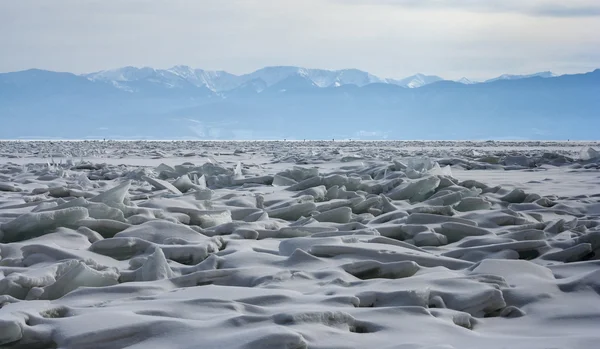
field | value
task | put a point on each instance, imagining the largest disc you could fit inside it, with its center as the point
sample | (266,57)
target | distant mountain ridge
(546,74)
(292,102)
(221,81)
(127,78)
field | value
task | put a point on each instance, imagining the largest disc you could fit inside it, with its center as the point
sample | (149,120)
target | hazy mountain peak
(545,74)
(356,77)
(295,82)
(417,80)
(465,81)
(128,73)
(182,70)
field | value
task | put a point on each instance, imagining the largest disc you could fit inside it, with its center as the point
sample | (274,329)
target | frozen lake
(174,244)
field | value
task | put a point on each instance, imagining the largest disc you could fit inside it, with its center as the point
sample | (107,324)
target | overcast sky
(390,38)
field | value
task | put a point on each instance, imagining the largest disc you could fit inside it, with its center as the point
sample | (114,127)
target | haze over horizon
(388,38)
(175,67)
(389,41)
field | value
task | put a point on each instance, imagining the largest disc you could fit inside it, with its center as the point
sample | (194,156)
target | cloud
(536,8)
(568,11)
(479,39)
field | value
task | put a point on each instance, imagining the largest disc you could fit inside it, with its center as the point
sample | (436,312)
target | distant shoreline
(459,141)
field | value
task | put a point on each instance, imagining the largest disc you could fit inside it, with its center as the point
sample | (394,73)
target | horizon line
(480,140)
(300,67)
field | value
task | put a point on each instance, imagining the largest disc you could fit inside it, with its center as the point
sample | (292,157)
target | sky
(477,39)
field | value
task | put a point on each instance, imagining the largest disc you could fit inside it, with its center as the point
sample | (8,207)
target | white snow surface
(178,244)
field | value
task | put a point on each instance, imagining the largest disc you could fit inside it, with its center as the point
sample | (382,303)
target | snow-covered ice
(299,244)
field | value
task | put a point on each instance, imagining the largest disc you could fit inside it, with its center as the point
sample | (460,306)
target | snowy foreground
(299,245)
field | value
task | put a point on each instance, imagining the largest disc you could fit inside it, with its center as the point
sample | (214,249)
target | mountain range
(132,79)
(129,78)
(294,103)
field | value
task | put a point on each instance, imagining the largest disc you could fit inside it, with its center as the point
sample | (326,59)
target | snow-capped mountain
(220,81)
(289,103)
(124,74)
(213,80)
(344,77)
(466,81)
(415,81)
(293,83)
(134,79)
(545,74)
(320,77)
(181,77)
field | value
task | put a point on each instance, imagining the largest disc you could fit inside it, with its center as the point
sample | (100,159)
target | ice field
(324,245)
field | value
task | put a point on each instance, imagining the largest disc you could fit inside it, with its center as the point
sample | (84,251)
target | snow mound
(300,245)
